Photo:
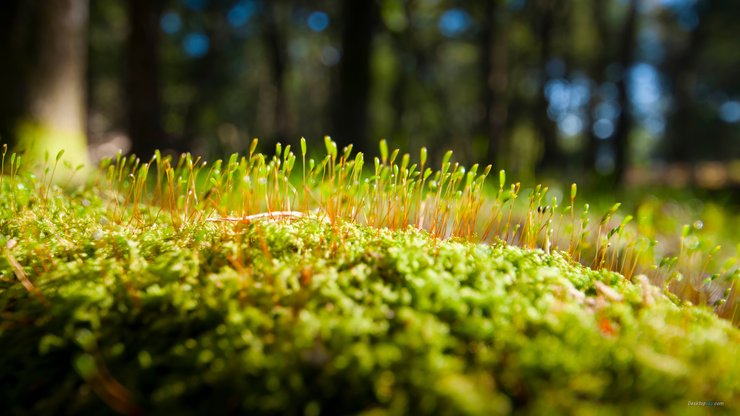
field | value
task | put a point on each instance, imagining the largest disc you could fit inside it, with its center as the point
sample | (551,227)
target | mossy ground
(308,317)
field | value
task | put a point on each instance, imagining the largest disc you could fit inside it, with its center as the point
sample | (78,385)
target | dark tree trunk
(551,155)
(494,66)
(12,71)
(624,123)
(278,59)
(398,95)
(143,78)
(208,76)
(597,73)
(413,67)
(682,127)
(351,101)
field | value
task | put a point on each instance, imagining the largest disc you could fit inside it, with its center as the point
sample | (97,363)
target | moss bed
(308,317)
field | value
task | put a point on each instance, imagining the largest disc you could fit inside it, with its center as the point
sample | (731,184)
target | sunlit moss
(140,302)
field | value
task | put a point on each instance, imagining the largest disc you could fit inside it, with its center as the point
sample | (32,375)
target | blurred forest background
(632,91)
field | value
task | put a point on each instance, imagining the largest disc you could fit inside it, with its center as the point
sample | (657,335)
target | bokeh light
(240,13)
(196,44)
(603,128)
(318,21)
(170,22)
(729,111)
(454,22)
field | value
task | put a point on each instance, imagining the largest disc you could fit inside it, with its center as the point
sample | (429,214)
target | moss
(305,316)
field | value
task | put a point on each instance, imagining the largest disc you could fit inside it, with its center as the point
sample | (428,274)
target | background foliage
(637,90)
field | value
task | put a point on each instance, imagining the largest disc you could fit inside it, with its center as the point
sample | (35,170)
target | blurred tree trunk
(551,155)
(278,59)
(208,75)
(144,104)
(680,69)
(494,50)
(56,96)
(12,73)
(355,78)
(404,43)
(416,81)
(597,72)
(398,95)
(624,123)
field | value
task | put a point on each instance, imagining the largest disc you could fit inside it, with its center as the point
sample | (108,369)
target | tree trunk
(597,73)
(624,124)
(276,47)
(12,74)
(206,74)
(681,70)
(494,65)
(56,117)
(551,156)
(351,101)
(143,86)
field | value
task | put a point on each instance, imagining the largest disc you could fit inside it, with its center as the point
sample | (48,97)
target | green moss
(308,317)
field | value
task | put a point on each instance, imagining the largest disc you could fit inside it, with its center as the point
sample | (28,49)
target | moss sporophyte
(176,286)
